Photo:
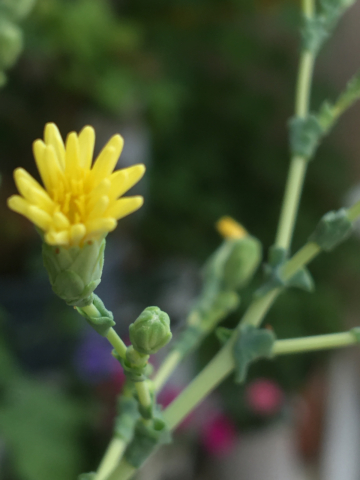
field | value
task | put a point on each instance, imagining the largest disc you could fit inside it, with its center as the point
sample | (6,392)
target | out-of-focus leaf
(40,427)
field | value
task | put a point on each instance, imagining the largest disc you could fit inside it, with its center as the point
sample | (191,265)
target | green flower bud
(10,43)
(234,263)
(150,331)
(75,272)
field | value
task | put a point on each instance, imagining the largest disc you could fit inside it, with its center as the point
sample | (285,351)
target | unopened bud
(150,331)
(234,262)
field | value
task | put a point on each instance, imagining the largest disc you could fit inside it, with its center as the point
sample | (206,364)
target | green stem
(223,364)
(166,368)
(317,342)
(111,458)
(291,201)
(208,379)
(112,336)
(124,471)
(91,310)
(117,343)
(298,164)
(259,307)
(143,393)
(302,257)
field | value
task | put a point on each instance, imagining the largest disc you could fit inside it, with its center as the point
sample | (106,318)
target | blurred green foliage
(39,423)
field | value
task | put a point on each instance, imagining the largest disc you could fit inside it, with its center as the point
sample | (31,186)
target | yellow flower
(79,201)
(230,228)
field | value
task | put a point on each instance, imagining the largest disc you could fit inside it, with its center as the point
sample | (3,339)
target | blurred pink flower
(264,396)
(218,435)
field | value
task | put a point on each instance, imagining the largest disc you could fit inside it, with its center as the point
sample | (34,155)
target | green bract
(75,272)
(150,331)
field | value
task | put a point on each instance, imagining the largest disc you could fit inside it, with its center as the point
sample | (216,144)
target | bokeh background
(202,92)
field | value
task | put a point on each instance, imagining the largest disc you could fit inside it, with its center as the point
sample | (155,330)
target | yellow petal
(108,158)
(86,145)
(51,167)
(57,238)
(77,233)
(122,180)
(124,206)
(97,192)
(18,204)
(32,190)
(52,137)
(100,226)
(61,222)
(99,207)
(39,153)
(72,155)
(39,217)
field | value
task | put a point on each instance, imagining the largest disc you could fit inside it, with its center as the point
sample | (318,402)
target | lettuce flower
(77,207)
(79,202)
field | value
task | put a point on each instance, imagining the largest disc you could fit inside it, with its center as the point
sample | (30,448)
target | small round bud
(150,331)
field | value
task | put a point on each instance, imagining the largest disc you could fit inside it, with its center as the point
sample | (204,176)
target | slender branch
(298,164)
(117,343)
(302,257)
(208,379)
(259,308)
(166,368)
(111,458)
(317,342)
(143,393)
(124,471)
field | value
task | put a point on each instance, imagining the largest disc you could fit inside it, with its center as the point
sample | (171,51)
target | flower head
(79,201)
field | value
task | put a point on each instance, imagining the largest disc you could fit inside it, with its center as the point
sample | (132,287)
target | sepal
(274,278)
(128,414)
(146,439)
(305,135)
(251,344)
(103,323)
(333,228)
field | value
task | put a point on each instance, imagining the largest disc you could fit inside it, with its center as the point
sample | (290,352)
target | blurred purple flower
(93,360)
